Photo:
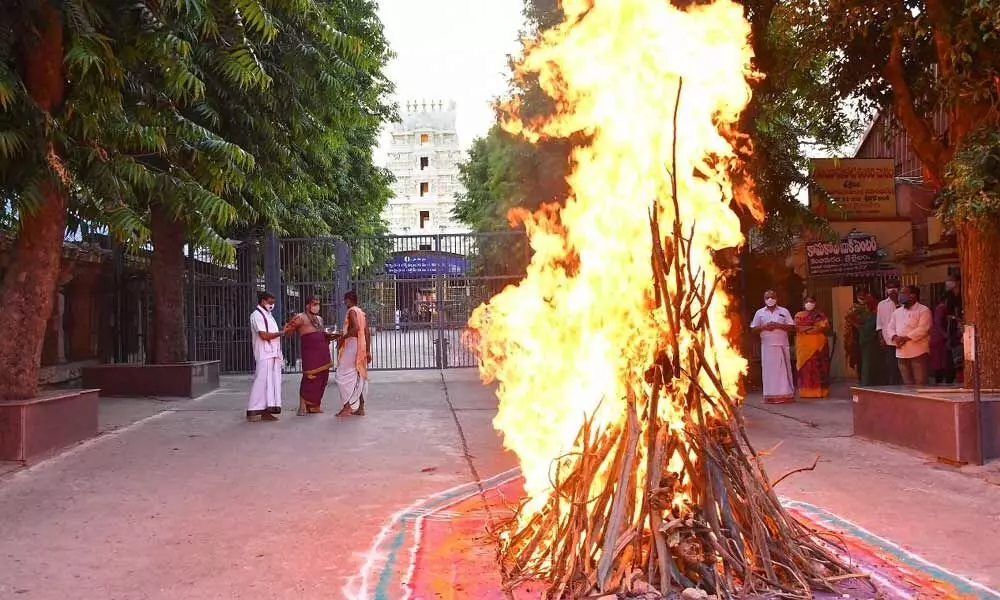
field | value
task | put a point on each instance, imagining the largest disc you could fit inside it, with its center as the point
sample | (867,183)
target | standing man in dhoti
(265,393)
(353,356)
(773,323)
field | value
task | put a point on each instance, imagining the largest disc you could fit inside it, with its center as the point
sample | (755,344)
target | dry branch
(811,467)
(704,515)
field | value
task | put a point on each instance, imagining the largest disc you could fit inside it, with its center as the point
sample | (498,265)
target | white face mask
(269,307)
(771,302)
(810,305)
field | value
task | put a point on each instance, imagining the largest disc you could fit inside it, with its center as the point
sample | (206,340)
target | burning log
(639,470)
(730,536)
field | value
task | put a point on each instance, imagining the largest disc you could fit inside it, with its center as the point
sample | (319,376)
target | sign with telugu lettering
(847,189)
(849,256)
(426,264)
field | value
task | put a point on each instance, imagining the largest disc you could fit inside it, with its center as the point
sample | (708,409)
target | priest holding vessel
(316,357)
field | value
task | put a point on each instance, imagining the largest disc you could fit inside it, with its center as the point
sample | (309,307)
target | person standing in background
(942,364)
(772,323)
(265,393)
(316,358)
(852,332)
(353,356)
(870,359)
(909,331)
(885,310)
(955,318)
(812,351)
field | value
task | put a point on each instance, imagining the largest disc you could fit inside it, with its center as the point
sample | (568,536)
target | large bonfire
(618,381)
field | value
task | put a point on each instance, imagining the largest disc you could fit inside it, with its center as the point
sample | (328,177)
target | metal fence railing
(417,290)
(420,290)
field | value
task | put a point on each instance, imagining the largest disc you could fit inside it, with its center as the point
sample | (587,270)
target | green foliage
(974,176)
(791,116)
(860,32)
(947,58)
(234,115)
(489,176)
(857,34)
(313,130)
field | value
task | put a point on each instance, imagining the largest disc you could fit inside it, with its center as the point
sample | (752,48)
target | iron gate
(420,296)
(418,292)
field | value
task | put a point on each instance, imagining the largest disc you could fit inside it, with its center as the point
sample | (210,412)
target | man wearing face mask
(265,393)
(889,368)
(772,323)
(909,330)
(316,357)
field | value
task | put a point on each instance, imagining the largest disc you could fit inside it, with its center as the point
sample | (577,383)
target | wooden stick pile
(714,524)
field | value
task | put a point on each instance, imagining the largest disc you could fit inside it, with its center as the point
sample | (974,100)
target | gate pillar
(272,275)
(342,278)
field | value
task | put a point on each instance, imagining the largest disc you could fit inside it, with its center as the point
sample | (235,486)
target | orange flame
(575,337)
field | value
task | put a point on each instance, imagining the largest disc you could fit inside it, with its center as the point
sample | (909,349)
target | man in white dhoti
(353,356)
(265,393)
(773,323)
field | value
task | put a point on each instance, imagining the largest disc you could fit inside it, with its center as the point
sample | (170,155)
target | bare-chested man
(316,361)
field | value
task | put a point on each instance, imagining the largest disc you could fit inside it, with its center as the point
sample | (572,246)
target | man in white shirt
(889,371)
(773,323)
(265,393)
(909,331)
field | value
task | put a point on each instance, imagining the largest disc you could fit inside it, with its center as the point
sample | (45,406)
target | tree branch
(931,150)
(937,12)
(794,471)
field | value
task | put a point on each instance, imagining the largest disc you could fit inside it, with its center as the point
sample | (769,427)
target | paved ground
(937,511)
(195,503)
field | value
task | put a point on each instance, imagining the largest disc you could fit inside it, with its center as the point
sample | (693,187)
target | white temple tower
(424,156)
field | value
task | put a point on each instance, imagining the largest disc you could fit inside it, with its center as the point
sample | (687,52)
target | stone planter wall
(38,427)
(182,380)
(941,423)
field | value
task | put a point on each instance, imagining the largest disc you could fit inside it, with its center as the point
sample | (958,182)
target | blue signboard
(426,265)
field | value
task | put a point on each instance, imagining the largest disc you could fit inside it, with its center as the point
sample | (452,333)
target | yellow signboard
(847,189)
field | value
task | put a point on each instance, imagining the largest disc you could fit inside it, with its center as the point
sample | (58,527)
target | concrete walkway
(947,515)
(192,502)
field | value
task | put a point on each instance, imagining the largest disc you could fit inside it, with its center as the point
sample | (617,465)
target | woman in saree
(812,351)
(852,332)
(861,322)
(942,363)
(870,354)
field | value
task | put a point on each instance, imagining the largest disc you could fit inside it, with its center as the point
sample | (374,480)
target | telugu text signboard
(426,265)
(846,189)
(849,256)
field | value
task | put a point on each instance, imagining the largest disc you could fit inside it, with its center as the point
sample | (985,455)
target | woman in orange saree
(812,351)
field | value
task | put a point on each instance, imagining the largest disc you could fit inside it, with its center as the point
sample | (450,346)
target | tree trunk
(167,270)
(979,251)
(28,290)
(29,284)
